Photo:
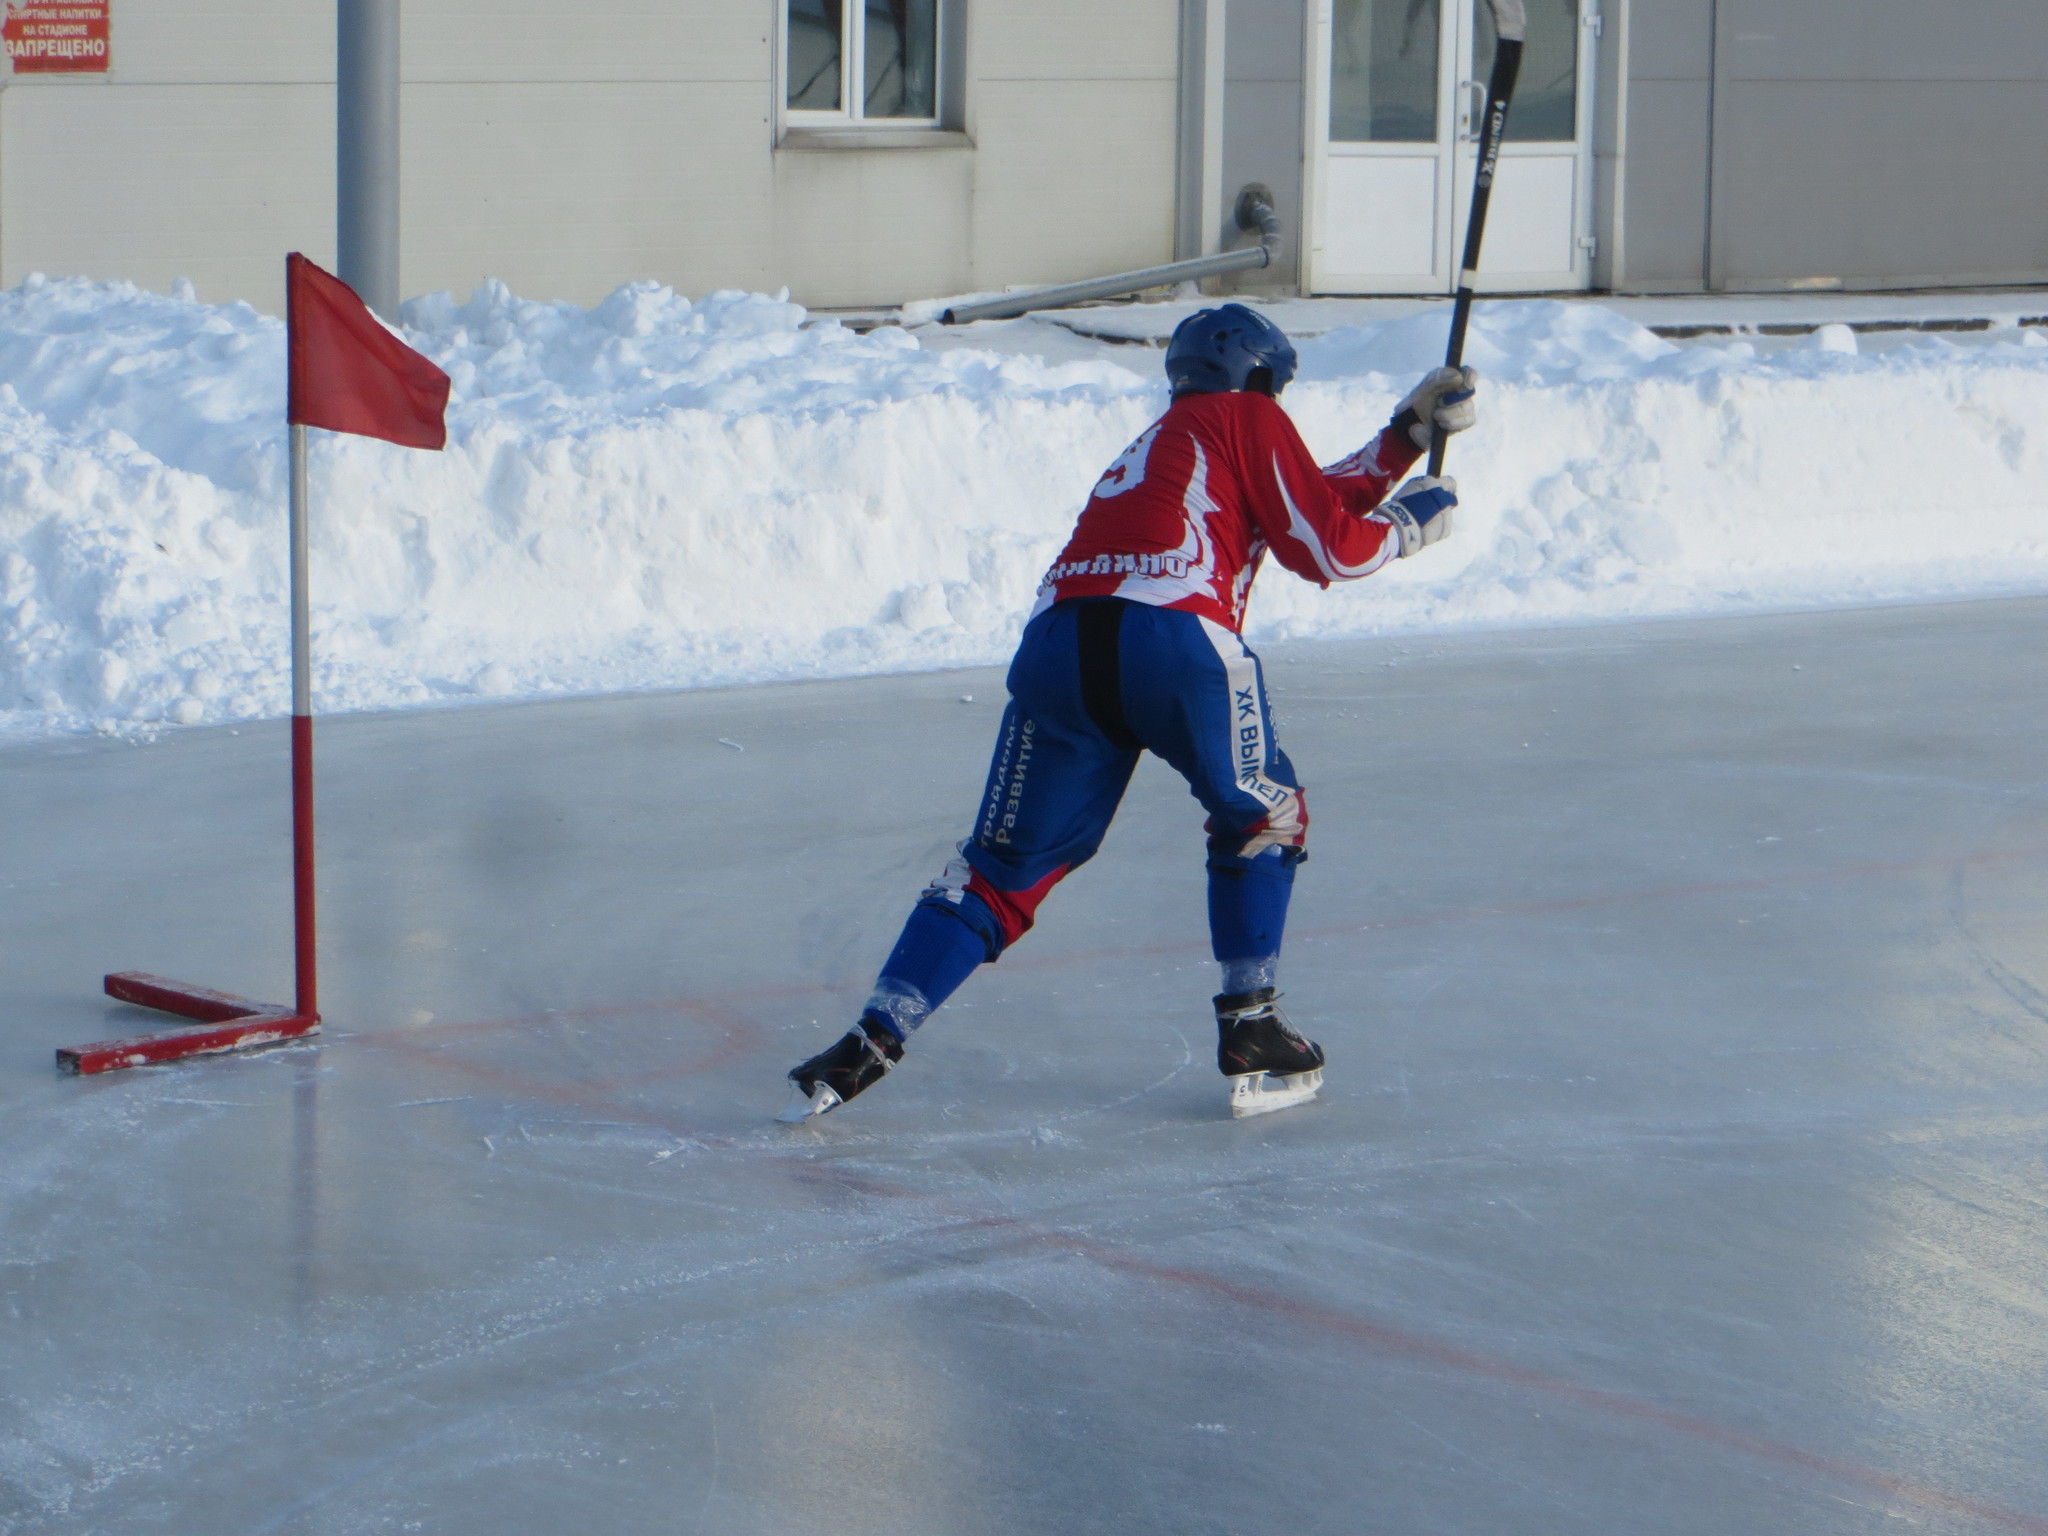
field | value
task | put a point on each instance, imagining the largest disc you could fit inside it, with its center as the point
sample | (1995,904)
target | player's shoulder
(1242,407)
(1226,402)
(1241,421)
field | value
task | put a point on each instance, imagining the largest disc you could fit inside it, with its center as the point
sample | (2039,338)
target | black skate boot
(862,1056)
(1256,1046)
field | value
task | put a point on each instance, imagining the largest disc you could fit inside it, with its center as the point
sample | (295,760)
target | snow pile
(650,493)
(1617,475)
(655,493)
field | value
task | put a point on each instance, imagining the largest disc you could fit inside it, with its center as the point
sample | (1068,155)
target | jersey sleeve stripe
(1298,526)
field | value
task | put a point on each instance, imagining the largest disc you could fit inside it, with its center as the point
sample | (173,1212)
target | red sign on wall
(57,37)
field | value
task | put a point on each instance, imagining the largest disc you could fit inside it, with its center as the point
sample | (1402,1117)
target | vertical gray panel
(1665,186)
(1726,24)
(1887,39)
(1199,163)
(1880,143)
(1266,39)
(1666,134)
(1666,131)
(1670,39)
(1610,147)
(1877,183)
(1262,122)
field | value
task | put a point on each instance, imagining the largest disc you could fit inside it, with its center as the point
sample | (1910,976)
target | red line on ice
(1028,960)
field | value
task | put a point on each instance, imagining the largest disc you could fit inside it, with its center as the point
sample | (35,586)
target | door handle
(1474,110)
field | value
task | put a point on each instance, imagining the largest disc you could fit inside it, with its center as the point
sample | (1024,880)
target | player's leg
(1051,792)
(1199,701)
(1054,783)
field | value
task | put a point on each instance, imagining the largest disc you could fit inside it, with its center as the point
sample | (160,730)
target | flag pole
(228,1022)
(304,947)
(346,371)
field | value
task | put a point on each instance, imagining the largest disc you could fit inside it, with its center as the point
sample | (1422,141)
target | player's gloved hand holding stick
(1442,403)
(1420,511)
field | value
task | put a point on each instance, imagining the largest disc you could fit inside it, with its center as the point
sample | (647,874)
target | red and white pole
(346,372)
(305,948)
(227,1022)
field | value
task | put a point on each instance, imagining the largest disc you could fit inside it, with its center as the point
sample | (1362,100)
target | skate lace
(1262,1014)
(1263,1029)
(877,1048)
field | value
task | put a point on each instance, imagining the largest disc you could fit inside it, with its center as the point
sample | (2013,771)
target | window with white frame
(862,61)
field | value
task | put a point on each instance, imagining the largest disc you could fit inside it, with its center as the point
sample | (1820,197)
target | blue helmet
(1215,350)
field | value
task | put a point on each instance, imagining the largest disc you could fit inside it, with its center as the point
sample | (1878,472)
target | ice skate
(861,1057)
(1269,1063)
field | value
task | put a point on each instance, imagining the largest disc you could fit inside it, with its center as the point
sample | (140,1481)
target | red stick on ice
(348,373)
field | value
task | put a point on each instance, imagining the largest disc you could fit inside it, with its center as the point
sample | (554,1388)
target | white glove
(1420,511)
(1442,402)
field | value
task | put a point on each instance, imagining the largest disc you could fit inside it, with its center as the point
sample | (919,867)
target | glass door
(1393,136)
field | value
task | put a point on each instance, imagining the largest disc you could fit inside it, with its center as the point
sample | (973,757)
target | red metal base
(238,1024)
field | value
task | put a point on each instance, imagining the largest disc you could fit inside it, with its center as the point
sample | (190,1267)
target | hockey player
(1134,644)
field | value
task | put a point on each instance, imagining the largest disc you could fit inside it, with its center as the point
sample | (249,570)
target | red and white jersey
(1185,516)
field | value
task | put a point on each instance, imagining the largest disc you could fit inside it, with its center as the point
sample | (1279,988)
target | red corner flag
(350,374)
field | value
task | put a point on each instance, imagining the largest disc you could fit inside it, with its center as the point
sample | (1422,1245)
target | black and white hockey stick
(1510,24)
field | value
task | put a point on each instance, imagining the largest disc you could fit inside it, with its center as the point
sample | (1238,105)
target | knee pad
(1284,828)
(1001,917)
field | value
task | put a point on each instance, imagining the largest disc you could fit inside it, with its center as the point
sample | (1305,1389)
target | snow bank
(655,493)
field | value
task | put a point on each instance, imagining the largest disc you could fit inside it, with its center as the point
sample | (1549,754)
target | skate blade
(1249,1095)
(805,1106)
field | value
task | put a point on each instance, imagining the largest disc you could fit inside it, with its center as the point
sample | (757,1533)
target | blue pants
(1095,682)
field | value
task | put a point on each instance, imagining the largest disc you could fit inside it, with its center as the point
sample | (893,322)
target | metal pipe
(366,150)
(1254,212)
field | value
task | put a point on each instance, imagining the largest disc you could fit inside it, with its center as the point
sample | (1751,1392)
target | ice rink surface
(1681,1167)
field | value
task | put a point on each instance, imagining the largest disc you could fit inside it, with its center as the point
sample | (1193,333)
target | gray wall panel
(1663,203)
(1669,39)
(1610,149)
(1876,181)
(1867,142)
(1665,180)
(1265,39)
(1262,125)
(1886,39)
(1262,142)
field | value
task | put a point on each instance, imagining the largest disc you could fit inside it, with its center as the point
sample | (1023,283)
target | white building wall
(1077,118)
(207,152)
(1069,173)
(567,149)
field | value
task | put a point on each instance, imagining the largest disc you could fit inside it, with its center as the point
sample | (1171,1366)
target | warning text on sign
(57,37)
